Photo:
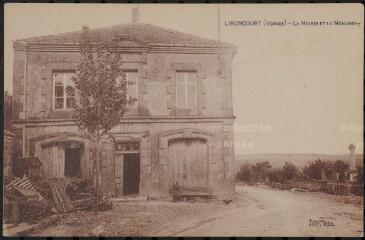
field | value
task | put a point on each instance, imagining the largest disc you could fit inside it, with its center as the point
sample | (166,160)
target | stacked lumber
(62,201)
(23,182)
(86,201)
(23,202)
(82,196)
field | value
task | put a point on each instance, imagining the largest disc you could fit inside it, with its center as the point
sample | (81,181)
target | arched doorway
(185,156)
(188,162)
(62,155)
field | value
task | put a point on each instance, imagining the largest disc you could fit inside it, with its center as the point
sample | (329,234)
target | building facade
(179,129)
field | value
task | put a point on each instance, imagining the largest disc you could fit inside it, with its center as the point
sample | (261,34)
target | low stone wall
(343,188)
(313,186)
(331,187)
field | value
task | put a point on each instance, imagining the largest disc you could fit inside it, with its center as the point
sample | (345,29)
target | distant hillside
(300,160)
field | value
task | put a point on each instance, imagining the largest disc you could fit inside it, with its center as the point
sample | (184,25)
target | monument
(353,170)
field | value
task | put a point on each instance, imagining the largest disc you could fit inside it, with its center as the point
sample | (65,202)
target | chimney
(135,15)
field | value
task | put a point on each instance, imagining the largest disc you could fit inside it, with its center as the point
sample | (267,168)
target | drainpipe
(24,98)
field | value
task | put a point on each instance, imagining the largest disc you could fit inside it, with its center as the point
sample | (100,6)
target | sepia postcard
(183,120)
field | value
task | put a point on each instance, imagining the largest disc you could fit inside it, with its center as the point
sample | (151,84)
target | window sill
(63,110)
(186,111)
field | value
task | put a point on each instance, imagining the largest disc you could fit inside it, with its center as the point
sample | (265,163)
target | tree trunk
(97,173)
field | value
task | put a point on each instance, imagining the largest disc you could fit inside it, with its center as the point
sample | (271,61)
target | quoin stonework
(179,129)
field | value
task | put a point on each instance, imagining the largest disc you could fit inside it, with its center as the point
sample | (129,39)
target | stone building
(180,128)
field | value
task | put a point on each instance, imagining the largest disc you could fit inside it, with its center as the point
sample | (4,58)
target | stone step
(129,199)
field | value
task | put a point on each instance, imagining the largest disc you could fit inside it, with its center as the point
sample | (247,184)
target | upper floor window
(186,90)
(63,90)
(132,86)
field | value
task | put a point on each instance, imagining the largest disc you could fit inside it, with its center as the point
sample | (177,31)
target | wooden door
(53,159)
(188,163)
(131,173)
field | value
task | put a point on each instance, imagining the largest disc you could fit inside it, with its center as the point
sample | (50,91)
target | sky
(295,89)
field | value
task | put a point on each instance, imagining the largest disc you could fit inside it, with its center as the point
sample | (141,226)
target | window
(63,91)
(132,86)
(127,146)
(186,90)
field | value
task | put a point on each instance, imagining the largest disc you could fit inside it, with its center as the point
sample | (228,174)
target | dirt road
(256,211)
(271,212)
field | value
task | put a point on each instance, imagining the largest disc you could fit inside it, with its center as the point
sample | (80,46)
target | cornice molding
(156,48)
(45,122)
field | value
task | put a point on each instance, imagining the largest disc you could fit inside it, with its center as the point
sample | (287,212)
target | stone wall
(8,153)
(156,82)
(153,166)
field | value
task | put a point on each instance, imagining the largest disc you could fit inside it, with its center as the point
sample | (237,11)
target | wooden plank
(62,201)
(188,163)
(46,161)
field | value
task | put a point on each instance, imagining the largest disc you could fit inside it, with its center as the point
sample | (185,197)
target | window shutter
(192,91)
(202,91)
(180,89)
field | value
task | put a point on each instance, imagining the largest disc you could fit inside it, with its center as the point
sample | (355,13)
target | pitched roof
(150,34)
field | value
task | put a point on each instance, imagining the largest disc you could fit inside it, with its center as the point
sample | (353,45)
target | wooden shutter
(180,89)
(191,90)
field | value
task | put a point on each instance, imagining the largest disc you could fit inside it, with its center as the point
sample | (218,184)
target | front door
(131,172)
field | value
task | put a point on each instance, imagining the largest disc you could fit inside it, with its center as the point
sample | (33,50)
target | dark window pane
(58,91)
(58,103)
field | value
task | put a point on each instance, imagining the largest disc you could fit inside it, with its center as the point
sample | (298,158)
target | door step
(130,199)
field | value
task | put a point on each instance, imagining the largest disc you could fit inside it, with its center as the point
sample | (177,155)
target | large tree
(261,170)
(102,93)
(290,171)
(245,172)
